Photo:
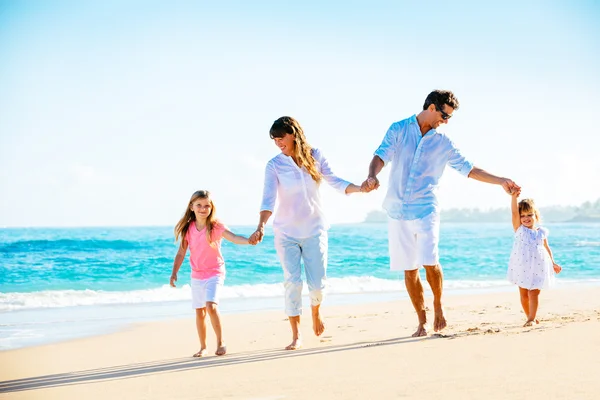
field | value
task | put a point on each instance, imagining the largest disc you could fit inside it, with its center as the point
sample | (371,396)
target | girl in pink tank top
(202,233)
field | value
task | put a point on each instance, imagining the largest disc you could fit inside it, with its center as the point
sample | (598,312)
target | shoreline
(58,325)
(365,352)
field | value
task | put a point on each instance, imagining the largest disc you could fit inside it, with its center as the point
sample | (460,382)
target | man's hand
(510,187)
(371,183)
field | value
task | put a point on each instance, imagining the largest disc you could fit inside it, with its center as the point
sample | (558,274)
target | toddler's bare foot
(318,325)
(295,345)
(201,353)
(221,350)
(421,330)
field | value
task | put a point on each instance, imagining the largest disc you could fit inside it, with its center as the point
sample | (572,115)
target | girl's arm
(237,239)
(179,257)
(514,209)
(557,268)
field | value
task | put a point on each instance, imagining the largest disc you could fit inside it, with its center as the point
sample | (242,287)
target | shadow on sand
(181,364)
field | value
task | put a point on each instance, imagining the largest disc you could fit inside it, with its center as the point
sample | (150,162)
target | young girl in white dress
(531,265)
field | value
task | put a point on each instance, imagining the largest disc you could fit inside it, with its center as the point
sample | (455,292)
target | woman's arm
(514,209)
(557,268)
(179,257)
(233,238)
(352,188)
(258,235)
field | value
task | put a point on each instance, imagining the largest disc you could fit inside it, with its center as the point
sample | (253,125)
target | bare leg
(318,325)
(524,294)
(533,307)
(215,320)
(296,340)
(201,328)
(435,277)
(412,280)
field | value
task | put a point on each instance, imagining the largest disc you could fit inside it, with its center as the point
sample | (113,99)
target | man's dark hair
(439,98)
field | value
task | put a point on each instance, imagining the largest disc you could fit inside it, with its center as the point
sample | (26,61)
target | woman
(300,226)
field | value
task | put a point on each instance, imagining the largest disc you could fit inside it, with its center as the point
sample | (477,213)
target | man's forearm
(375,167)
(483,176)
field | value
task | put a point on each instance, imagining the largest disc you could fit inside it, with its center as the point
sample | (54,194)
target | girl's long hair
(302,150)
(189,217)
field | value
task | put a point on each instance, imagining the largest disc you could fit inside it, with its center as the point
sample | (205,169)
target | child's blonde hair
(189,217)
(528,206)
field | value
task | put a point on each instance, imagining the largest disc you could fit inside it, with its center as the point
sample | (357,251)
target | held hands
(371,183)
(257,236)
(510,187)
(173,280)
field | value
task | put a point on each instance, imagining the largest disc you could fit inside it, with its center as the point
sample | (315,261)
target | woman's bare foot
(295,345)
(201,353)
(221,350)
(421,331)
(318,325)
(528,323)
(439,320)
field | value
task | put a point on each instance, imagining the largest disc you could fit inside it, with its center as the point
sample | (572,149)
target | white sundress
(530,266)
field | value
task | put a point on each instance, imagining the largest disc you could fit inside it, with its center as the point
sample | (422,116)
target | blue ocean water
(62,283)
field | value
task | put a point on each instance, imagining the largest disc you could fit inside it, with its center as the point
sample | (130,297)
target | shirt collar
(413,120)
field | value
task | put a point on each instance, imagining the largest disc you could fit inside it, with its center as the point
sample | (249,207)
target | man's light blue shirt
(418,162)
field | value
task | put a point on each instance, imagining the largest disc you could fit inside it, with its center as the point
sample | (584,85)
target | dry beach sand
(366,352)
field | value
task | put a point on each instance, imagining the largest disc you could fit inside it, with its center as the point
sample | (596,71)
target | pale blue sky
(114,112)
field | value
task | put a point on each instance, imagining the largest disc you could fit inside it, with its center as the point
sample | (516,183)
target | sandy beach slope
(367,352)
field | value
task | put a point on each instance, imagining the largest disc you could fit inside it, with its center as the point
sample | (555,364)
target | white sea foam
(585,243)
(349,285)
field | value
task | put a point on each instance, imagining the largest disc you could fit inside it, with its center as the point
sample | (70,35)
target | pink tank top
(206,261)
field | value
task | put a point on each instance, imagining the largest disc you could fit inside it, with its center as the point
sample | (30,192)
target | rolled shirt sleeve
(389,144)
(457,161)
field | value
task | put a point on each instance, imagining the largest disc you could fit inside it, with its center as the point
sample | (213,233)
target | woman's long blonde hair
(189,217)
(302,150)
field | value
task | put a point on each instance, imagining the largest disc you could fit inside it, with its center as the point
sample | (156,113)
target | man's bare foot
(421,331)
(439,320)
(201,353)
(221,350)
(318,325)
(295,345)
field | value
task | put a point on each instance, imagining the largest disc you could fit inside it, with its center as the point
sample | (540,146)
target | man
(419,154)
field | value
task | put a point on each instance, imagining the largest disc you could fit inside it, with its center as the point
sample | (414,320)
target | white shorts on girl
(204,290)
(414,242)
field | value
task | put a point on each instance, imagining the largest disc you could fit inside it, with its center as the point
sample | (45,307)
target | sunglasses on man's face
(445,115)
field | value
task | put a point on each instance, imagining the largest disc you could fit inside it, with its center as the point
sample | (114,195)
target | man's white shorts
(414,242)
(204,290)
